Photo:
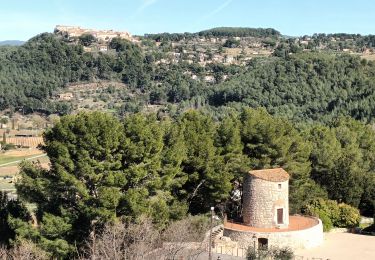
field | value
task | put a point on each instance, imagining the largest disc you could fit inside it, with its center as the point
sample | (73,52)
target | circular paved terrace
(295,223)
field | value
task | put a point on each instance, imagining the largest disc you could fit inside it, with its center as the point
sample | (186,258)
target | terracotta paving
(295,223)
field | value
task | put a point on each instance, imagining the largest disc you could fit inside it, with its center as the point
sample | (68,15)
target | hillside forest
(305,105)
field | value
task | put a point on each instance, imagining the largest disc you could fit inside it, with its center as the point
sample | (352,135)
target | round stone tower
(265,198)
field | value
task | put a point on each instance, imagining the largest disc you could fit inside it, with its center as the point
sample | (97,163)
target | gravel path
(342,246)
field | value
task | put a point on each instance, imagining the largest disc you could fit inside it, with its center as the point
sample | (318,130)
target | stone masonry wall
(261,199)
(306,238)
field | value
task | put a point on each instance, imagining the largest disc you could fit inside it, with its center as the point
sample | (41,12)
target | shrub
(251,253)
(349,216)
(284,253)
(87,39)
(333,211)
(8,147)
(333,214)
(231,43)
(326,221)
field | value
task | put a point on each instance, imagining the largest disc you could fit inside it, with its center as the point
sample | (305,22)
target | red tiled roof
(274,175)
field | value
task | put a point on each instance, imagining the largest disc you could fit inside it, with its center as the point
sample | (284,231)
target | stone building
(102,35)
(265,199)
(265,215)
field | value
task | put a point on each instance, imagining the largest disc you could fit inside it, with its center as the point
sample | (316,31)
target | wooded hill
(217,32)
(313,85)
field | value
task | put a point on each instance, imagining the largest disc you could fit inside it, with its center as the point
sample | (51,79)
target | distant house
(201,57)
(209,78)
(66,96)
(229,59)
(366,51)
(103,48)
(218,58)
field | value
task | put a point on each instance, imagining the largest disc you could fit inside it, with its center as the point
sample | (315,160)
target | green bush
(349,216)
(6,147)
(333,214)
(334,211)
(284,253)
(326,221)
(251,253)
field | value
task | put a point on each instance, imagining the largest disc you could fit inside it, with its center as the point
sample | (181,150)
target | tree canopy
(103,169)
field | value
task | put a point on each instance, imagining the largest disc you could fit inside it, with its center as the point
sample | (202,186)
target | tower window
(279,186)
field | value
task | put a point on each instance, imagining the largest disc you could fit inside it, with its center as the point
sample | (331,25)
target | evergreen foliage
(307,86)
(314,86)
(10,211)
(103,170)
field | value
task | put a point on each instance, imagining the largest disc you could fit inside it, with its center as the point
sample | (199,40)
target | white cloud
(215,11)
(145,4)
(218,9)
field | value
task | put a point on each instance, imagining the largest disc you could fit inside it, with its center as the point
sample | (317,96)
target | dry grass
(250,52)
(368,56)
(17,155)
(22,152)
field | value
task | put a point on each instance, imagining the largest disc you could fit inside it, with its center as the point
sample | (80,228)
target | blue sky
(22,19)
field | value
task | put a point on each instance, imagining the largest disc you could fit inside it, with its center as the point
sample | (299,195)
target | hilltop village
(101,35)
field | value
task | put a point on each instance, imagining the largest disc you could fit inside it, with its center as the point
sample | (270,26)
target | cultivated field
(32,142)
(9,165)
(11,156)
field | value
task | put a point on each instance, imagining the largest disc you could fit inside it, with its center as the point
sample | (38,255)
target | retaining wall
(306,238)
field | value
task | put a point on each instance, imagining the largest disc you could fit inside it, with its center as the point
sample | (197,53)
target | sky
(23,19)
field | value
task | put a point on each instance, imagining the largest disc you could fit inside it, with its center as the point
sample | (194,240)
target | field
(9,162)
(14,156)
(249,52)
(25,141)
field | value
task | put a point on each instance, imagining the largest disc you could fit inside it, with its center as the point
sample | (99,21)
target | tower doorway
(262,243)
(280,214)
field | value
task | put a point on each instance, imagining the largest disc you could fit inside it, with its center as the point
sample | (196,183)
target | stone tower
(265,198)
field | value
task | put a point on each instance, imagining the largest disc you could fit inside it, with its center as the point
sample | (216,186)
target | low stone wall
(306,238)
